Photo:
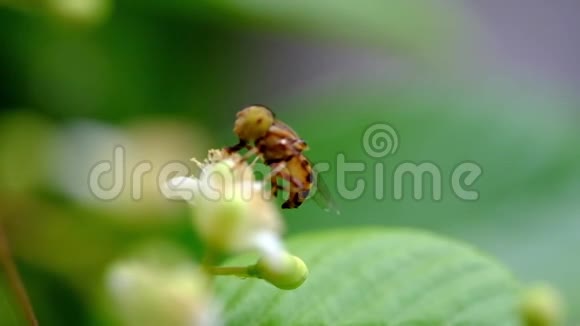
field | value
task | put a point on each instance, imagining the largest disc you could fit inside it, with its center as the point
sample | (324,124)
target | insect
(281,149)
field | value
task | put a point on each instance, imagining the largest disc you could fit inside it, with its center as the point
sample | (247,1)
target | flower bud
(541,305)
(160,286)
(288,275)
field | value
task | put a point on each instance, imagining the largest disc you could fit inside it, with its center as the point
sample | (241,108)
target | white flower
(160,286)
(232,211)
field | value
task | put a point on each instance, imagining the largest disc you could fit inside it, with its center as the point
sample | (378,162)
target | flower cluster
(233,213)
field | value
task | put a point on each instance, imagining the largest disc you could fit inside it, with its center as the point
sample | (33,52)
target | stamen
(198,163)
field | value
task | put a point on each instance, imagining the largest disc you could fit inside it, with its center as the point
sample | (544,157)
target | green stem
(14,281)
(241,271)
(207,261)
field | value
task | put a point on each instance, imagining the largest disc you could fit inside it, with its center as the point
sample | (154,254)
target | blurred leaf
(523,160)
(24,138)
(400,23)
(374,276)
(526,144)
(81,12)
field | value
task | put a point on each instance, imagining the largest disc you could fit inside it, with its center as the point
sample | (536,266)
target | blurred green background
(493,83)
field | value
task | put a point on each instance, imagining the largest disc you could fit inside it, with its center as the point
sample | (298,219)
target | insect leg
(295,199)
(251,152)
(274,185)
(237,147)
(273,175)
(294,182)
(296,187)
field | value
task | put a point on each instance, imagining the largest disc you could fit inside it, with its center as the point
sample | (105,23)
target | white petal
(120,281)
(209,317)
(270,246)
(184,188)
(258,186)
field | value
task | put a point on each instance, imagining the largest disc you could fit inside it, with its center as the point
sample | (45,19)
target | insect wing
(287,128)
(322,195)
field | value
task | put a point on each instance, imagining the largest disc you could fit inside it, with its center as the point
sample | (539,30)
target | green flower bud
(541,305)
(159,285)
(288,274)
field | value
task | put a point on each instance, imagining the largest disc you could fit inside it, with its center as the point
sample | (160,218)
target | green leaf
(378,276)
(527,213)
